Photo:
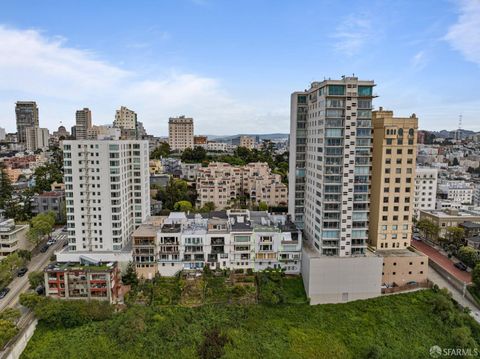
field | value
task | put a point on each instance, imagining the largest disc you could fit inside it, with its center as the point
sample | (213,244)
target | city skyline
(161,68)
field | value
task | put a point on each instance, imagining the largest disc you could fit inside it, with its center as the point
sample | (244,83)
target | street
(21,284)
(436,278)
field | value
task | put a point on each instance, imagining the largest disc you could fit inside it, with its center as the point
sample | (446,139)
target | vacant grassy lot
(397,326)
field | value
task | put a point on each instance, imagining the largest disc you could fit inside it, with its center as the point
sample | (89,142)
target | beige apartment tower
(393,179)
(180,133)
(392,199)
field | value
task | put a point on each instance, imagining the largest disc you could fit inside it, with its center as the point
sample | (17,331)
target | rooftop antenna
(459,134)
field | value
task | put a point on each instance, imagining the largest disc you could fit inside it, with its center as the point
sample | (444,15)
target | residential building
(224,240)
(36,138)
(125,119)
(223,184)
(393,176)
(26,113)
(53,201)
(107,193)
(392,199)
(83,280)
(217,146)
(180,133)
(425,189)
(449,218)
(247,142)
(329,188)
(190,170)
(456,191)
(200,141)
(12,236)
(105,132)
(83,122)
(3,134)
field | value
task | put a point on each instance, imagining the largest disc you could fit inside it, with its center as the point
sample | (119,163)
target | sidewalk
(442,261)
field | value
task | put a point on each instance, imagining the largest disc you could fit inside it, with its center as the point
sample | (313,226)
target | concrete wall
(17,346)
(341,279)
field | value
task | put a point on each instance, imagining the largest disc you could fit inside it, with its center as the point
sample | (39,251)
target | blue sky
(233,64)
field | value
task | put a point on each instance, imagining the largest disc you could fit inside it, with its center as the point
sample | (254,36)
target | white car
(51,241)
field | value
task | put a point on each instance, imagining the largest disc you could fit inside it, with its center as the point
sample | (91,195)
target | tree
(163,150)
(130,276)
(41,225)
(6,189)
(175,191)
(476,275)
(208,207)
(196,155)
(263,206)
(35,279)
(468,255)
(456,235)
(183,206)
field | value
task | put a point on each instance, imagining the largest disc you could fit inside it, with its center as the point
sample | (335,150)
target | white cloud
(419,60)
(464,35)
(352,34)
(62,79)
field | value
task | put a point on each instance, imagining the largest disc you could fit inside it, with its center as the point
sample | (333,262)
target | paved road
(20,284)
(442,261)
(436,278)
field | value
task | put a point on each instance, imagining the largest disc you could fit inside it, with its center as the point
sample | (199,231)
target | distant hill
(265,136)
(452,134)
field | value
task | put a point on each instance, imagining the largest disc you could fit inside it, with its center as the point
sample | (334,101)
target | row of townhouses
(222,240)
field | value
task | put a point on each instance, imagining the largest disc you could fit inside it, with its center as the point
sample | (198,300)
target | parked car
(416,237)
(4,292)
(44,248)
(21,272)
(461,266)
(65,243)
(51,241)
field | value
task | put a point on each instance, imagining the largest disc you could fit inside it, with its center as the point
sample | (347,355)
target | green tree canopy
(183,206)
(163,150)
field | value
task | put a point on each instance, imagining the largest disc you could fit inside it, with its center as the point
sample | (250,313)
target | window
(336,90)
(364,90)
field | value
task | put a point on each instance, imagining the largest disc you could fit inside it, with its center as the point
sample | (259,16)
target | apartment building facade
(36,138)
(107,192)
(83,281)
(222,240)
(247,142)
(26,113)
(125,119)
(425,189)
(392,199)
(53,201)
(83,122)
(393,180)
(329,188)
(223,184)
(180,133)
(12,236)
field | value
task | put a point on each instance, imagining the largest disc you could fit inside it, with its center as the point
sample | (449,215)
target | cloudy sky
(232,65)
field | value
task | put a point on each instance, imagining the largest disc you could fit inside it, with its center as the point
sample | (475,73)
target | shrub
(213,344)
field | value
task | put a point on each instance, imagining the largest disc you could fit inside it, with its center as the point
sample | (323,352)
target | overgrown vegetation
(397,326)
(276,288)
(8,326)
(9,267)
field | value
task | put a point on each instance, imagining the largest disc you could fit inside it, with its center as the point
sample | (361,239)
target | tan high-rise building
(36,138)
(180,133)
(125,119)
(392,199)
(247,142)
(393,179)
(83,122)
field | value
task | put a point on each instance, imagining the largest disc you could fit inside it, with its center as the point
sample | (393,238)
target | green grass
(396,326)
